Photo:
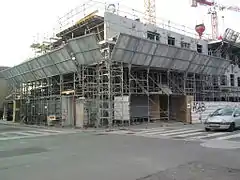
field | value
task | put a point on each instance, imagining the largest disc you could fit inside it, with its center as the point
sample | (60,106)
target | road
(214,139)
(74,155)
(11,133)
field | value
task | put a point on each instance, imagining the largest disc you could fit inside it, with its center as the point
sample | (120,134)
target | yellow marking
(87,17)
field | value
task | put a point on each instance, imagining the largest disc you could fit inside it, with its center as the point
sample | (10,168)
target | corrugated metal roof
(59,61)
(143,52)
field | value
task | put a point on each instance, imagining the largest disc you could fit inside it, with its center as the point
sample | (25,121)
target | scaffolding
(101,82)
(123,81)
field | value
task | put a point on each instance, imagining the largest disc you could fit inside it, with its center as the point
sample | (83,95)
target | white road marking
(163,131)
(25,133)
(210,135)
(150,131)
(119,132)
(49,130)
(228,137)
(189,134)
(179,132)
(36,132)
(11,135)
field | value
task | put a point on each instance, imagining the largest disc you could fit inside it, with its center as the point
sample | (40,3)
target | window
(215,81)
(150,36)
(232,80)
(153,36)
(199,48)
(237,112)
(210,52)
(185,45)
(223,112)
(223,80)
(171,40)
(232,68)
(238,81)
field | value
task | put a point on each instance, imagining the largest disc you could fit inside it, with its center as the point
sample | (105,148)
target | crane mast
(213,10)
(150,11)
(214,22)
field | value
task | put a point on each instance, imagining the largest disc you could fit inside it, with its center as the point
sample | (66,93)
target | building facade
(4,90)
(112,69)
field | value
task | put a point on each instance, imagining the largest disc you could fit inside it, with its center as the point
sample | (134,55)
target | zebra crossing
(184,133)
(30,133)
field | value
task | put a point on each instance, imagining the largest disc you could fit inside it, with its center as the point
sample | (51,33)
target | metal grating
(85,49)
(36,69)
(63,61)
(139,51)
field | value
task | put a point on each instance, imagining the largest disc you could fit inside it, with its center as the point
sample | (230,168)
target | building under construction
(113,69)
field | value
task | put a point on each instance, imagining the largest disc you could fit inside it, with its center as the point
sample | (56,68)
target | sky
(23,22)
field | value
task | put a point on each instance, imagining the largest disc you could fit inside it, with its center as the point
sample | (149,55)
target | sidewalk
(131,128)
(7,123)
(159,124)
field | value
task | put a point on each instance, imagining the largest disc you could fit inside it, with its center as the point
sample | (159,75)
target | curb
(135,128)
(30,126)
(62,128)
(131,128)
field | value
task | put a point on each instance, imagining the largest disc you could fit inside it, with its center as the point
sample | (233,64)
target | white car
(224,118)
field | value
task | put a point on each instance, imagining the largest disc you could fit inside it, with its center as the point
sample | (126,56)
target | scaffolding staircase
(160,88)
(175,83)
(142,86)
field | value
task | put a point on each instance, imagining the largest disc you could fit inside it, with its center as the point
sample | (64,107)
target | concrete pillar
(80,114)
(14,111)
(4,112)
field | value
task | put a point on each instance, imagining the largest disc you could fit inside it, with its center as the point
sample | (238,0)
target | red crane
(213,10)
(202,2)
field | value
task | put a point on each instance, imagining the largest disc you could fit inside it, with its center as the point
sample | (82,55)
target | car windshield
(223,112)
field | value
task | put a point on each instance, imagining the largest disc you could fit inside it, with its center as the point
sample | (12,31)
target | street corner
(196,171)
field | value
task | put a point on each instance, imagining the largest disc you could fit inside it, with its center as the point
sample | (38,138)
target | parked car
(227,118)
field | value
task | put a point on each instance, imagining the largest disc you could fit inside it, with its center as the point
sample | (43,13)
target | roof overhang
(143,52)
(82,50)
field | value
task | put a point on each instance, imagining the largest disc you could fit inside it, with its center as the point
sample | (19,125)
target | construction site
(113,67)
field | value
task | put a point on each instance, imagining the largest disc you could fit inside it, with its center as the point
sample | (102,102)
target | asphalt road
(89,156)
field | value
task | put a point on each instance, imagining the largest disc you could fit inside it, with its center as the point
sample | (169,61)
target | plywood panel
(139,106)
(121,108)
(180,109)
(68,110)
(155,107)
(80,115)
(189,100)
(164,107)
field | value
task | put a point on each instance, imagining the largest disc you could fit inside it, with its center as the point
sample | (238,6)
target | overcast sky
(22,20)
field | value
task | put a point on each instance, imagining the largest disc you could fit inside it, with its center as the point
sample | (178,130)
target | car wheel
(231,127)
(207,129)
